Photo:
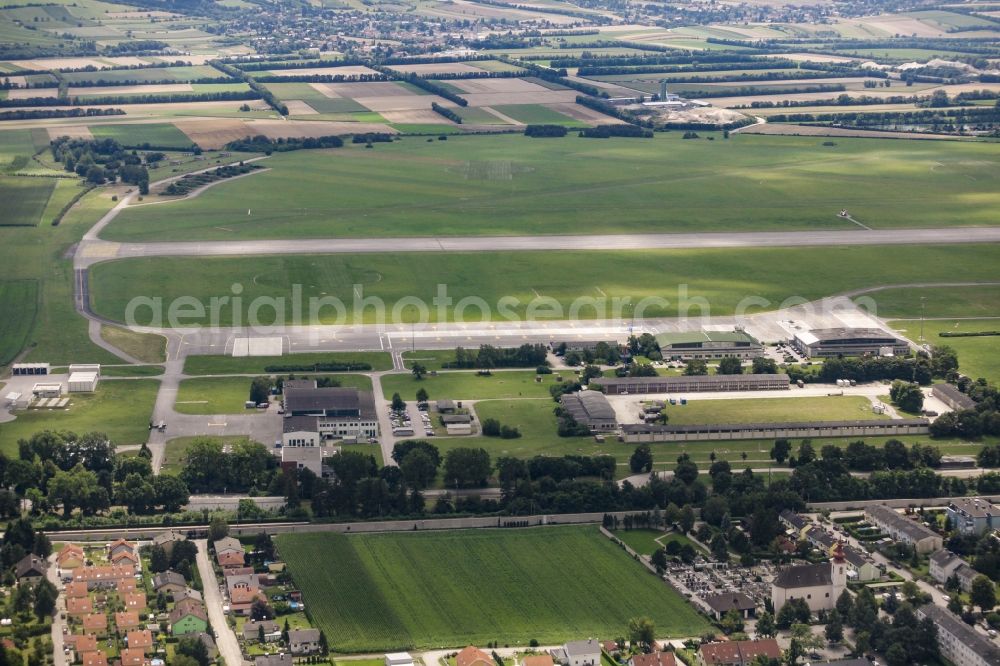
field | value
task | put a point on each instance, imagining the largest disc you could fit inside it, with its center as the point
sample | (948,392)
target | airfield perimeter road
(93,250)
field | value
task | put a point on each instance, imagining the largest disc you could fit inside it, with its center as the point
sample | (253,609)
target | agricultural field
(231,365)
(722,277)
(159,135)
(421,590)
(20,297)
(536,114)
(178,74)
(25,199)
(120,408)
(499,185)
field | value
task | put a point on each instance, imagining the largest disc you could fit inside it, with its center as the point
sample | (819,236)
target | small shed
(83,382)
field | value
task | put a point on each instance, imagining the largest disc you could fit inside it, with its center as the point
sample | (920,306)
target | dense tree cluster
(102,160)
(240,467)
(488,357)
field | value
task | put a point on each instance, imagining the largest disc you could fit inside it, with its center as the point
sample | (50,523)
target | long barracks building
(693,384)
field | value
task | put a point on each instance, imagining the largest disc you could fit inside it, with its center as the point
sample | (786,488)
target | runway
(93,250)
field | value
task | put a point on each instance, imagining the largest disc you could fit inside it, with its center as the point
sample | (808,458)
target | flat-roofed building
(709,345)
(590,408)
(820,342)
(323,413)
(692,384)
(654,432)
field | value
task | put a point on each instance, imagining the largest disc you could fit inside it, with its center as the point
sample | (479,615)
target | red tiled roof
(127,620)
(95,658)
(133,657)
(95,622)
(230,559)
(735,652)
(79,606)
(105,573)
(82,642)
(473,656)
(140,638)
(135,600)
(76,590)
(654,659)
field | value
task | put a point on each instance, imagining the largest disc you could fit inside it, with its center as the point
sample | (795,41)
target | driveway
(229,647)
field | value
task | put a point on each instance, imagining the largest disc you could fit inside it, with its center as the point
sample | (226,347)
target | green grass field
(510,184)
(227,395)
(232,365)
(120,408)
(424,590)
(432,359)
(772,410)
(981,301)
(178,74)
(25,199)
(469,386)
(160,135)
(146,347)
(15,144)
(19,302)
(724,278)
(977,356)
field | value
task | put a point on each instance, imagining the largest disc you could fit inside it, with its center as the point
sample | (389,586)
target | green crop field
(15,144)
(160,135)
(120,408)
(24,199)
(242,365)
(508,184)
(422,590)
(772,410)
(977,356)
(19,303)
(724,278)
(178,74)
(469,386)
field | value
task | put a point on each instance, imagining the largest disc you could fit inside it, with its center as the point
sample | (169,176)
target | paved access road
(229,647)
(93,250)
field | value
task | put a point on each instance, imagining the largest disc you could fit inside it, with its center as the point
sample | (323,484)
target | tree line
(151,98)
(446,112)
(34,114)
(488,356)
(263,144)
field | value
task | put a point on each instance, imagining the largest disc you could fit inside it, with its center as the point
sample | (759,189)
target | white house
(943,565)
(582,653)
(304,641)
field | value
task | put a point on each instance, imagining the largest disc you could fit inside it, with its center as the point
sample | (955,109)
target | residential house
(275,660)
(103,577)
(125,586)
(966,575)
(79,606)
(133,657)
(582,653)
(95,623)
(230,559)
(81,643)
(973,515)
(943,565)
(135,601)
(126,621)
(30,569)
(119,546)
(95,658)
(70,557)
(611,647)
(209,642)
(653,659)
(242,598)
(726,601)
(391,659)
(166,540)
(251,631)
(76,590)
(227,545)
(140,639)
(188,593)
(820,585)
(188,617)
(959,643)
(304,641)
(737,653)
(793,522)
(860,568)
(169,582)
(125,557)
(473,656)
(903,529)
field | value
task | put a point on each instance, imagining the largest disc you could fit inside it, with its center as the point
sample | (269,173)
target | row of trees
(488,356)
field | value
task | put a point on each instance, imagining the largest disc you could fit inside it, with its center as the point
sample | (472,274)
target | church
(819,584)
